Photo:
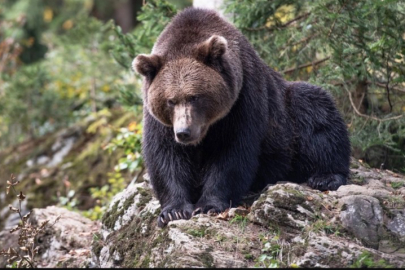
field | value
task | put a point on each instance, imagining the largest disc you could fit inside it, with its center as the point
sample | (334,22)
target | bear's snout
(183,134)
(188,135)
(188,125)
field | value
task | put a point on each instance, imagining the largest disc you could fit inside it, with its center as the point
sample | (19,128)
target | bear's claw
(326,182)
(196,211)
(213,212)
(209,210)
(211,207)
(170,213)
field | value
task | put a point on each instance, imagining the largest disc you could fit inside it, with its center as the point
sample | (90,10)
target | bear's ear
(211,49)
(147,65)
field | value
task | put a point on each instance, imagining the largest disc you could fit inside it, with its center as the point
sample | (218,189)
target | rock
(237,212)
(7,240)
(338,252)
(199,242)
(128,204)
(65,243)
(288,225)
(68,241)
(397,226)
(290,206)
(374,189)
(363,216)
(131,237)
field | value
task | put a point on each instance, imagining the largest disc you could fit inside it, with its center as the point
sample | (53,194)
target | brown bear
(218,122)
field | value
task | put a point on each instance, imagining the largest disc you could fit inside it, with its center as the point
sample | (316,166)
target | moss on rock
(135,241)
(111,216)
(207,259)
(146,196)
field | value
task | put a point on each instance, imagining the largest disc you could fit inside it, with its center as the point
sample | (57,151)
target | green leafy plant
(23,256)
(103,195)
(76,77)
(130,140)
(275,252)
(366,260)
(270,254)
(68,201)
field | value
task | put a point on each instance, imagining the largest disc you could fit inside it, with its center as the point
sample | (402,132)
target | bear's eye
(171,102)
(193,98)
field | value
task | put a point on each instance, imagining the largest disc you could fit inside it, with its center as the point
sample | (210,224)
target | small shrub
(23,256)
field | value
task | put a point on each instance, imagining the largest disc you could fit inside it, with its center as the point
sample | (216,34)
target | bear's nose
(183,134)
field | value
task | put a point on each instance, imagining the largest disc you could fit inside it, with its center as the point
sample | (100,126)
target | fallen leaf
(224,215)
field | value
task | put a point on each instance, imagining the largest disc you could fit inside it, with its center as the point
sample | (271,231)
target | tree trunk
(124,15)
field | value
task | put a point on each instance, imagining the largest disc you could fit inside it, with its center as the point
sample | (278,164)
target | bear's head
(189,93)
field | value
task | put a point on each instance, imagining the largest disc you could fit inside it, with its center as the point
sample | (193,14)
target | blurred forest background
(65,66)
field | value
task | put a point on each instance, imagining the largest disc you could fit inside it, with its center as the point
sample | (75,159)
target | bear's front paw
(211,207)
(174,212)
(327,182)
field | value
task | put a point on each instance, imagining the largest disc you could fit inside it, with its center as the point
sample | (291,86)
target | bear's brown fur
(218,122)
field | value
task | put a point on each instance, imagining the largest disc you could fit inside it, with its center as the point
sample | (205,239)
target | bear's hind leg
(322,139)
(324,182)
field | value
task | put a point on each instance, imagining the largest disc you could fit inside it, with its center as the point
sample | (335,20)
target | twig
(387,84)
(28,261)
(369,116)
(31,261)
(305,39)
(19,212)
(380,84)
(361,100)
(27,232)
(296,19)
(306,65)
